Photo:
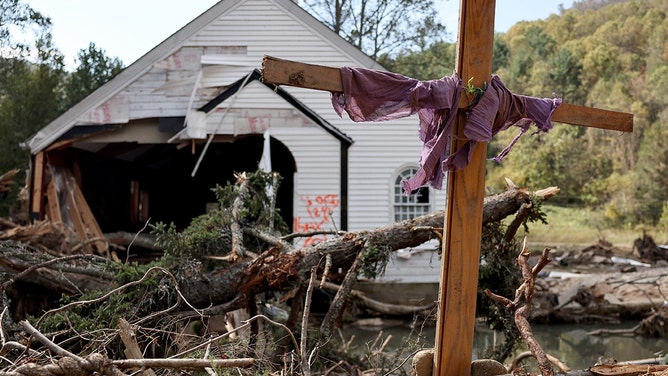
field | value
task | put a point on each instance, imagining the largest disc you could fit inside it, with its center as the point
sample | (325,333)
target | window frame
(407,207)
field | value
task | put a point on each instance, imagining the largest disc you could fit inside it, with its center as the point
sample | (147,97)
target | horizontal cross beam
(285,72)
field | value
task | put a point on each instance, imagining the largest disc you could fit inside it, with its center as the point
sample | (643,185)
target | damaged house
(153,141)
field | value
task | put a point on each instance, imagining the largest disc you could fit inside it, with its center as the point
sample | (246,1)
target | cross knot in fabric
(370,95)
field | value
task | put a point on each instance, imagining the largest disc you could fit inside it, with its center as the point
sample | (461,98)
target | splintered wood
(70,226)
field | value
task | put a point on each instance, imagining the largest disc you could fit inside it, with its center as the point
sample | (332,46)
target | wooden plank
(593,117)
(37,203)
(88,219)
(53,205)
(134,203)
(285,72)
(72,209)
(463,216)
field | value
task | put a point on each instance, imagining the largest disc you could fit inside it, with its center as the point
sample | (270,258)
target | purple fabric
(375,96)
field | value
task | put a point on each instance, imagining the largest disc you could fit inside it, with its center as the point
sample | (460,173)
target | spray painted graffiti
(319,209)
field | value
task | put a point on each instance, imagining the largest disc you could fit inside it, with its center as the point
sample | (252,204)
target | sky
(128,29)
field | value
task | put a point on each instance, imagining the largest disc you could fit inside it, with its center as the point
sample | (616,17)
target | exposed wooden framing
(78,212)
(53,205)
(73,211)
(134,202)
(92,229)
(37,196)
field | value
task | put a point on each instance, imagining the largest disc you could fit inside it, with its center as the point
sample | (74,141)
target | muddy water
(570,343)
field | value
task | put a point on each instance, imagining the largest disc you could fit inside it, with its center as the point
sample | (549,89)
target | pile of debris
(604,283)
(6,181)
(53,238)
(645,253)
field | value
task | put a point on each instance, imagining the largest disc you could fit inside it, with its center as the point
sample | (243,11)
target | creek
(571,343)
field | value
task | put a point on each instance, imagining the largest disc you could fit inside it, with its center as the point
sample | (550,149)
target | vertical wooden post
(37,194)
(463,219)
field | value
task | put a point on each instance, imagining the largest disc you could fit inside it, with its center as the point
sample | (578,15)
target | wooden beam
(53,204)
(593,117)
(37,196)
(87,219)
(463,215)
(285,72)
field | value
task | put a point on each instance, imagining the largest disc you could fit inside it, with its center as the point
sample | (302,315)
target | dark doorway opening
(125,184)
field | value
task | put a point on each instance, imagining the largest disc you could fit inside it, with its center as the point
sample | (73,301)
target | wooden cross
(465,187)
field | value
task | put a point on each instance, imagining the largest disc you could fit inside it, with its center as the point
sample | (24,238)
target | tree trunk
(227,289)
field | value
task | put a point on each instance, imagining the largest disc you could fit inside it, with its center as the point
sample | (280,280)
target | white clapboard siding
(317,185)
(417,265)
(219,48)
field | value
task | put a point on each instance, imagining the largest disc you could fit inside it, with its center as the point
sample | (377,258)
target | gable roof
(65,122)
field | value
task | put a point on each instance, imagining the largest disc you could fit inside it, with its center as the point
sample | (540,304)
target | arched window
(416,204)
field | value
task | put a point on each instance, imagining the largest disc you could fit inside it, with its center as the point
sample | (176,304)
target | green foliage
(29,99)
(652,172)
(375,258)
(565,76)
(500,53)
(663,220)
(18,15)
(94,69)
(433,62)
(560,158)
(34,85)
(209,234)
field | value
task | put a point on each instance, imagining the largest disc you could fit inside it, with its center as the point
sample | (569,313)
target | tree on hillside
(380,27)
(434,62)
(95,68)
(653,172)
(600,53)
(565,75)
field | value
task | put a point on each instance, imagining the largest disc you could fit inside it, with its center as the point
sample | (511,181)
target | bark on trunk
(227,289)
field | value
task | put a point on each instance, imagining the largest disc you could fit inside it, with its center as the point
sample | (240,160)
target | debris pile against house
(69,226)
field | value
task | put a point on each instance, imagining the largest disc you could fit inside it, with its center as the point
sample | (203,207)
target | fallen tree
(196,281)
(226,288)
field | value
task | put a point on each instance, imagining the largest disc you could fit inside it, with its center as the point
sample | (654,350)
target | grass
(574,225)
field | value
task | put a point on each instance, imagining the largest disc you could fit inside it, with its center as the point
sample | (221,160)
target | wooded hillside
(601,53)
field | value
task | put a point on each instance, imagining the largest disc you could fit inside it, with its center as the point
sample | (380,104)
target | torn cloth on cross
(370,95)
